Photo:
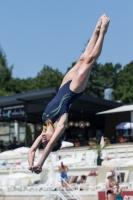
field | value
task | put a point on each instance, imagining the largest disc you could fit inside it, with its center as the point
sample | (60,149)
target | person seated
(80,181)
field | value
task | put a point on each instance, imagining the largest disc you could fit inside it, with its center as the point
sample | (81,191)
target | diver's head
(47,132)
(46,137)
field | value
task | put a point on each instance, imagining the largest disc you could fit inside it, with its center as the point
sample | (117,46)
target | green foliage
(5,71)
(17,85)
(47,78)
(124,87)
(101,77)
(29,135)
(3,92)
(97,147)
(94,86)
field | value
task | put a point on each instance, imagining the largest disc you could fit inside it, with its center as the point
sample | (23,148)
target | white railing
(59,194)
(49,195)
(71,192)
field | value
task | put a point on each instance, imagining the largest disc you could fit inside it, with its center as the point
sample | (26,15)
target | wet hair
(57,145)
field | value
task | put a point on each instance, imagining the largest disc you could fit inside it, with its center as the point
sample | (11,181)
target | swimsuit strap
(45,127)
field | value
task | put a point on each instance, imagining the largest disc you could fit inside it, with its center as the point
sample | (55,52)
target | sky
(34,33)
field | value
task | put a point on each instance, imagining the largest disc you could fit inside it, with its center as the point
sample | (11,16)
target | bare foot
(98,25)
(105,22)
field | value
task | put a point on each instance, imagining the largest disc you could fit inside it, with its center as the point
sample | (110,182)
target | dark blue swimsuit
(60,103)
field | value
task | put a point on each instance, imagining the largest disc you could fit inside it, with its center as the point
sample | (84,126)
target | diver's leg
(81,77)
(71,73)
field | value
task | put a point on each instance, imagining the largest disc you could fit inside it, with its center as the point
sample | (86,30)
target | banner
(12,112)
(126,195)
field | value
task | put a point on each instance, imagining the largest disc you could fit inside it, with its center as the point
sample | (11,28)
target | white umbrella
(19,175)
(10,154)
(68,161)
(66,144)
(102,142)
(21,178)
(22,150)
(117,162)
(125,125)
(129,163)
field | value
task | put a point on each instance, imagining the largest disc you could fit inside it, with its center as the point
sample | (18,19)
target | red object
(126,195)
(92,173)
(102,195)
(112,170)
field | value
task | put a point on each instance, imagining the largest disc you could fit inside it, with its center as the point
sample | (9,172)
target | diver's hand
(31,168)
(37,169)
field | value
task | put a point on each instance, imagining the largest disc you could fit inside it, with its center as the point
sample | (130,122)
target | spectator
(9,145)
(1,146)
(63,169)
(109,186)
(82,180)
(117,190)
(14,143)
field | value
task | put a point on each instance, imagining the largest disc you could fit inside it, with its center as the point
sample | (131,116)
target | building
(116,116)
(83,122)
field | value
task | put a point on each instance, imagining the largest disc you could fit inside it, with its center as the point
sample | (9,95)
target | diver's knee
(86,58)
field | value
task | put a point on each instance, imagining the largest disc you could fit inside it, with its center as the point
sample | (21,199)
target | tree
(94,86)
(124,88)
(17,85)
(97,147)
(47,78)
(108,76)
(5,72)
(101,77)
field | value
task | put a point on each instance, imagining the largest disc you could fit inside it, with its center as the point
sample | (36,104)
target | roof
(37,101)
(125,108)
(27,97)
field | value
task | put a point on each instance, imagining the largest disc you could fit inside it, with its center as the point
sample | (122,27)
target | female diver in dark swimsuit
(56,114)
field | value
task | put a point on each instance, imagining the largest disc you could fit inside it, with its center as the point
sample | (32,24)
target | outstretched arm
(60,128)
(31,153)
